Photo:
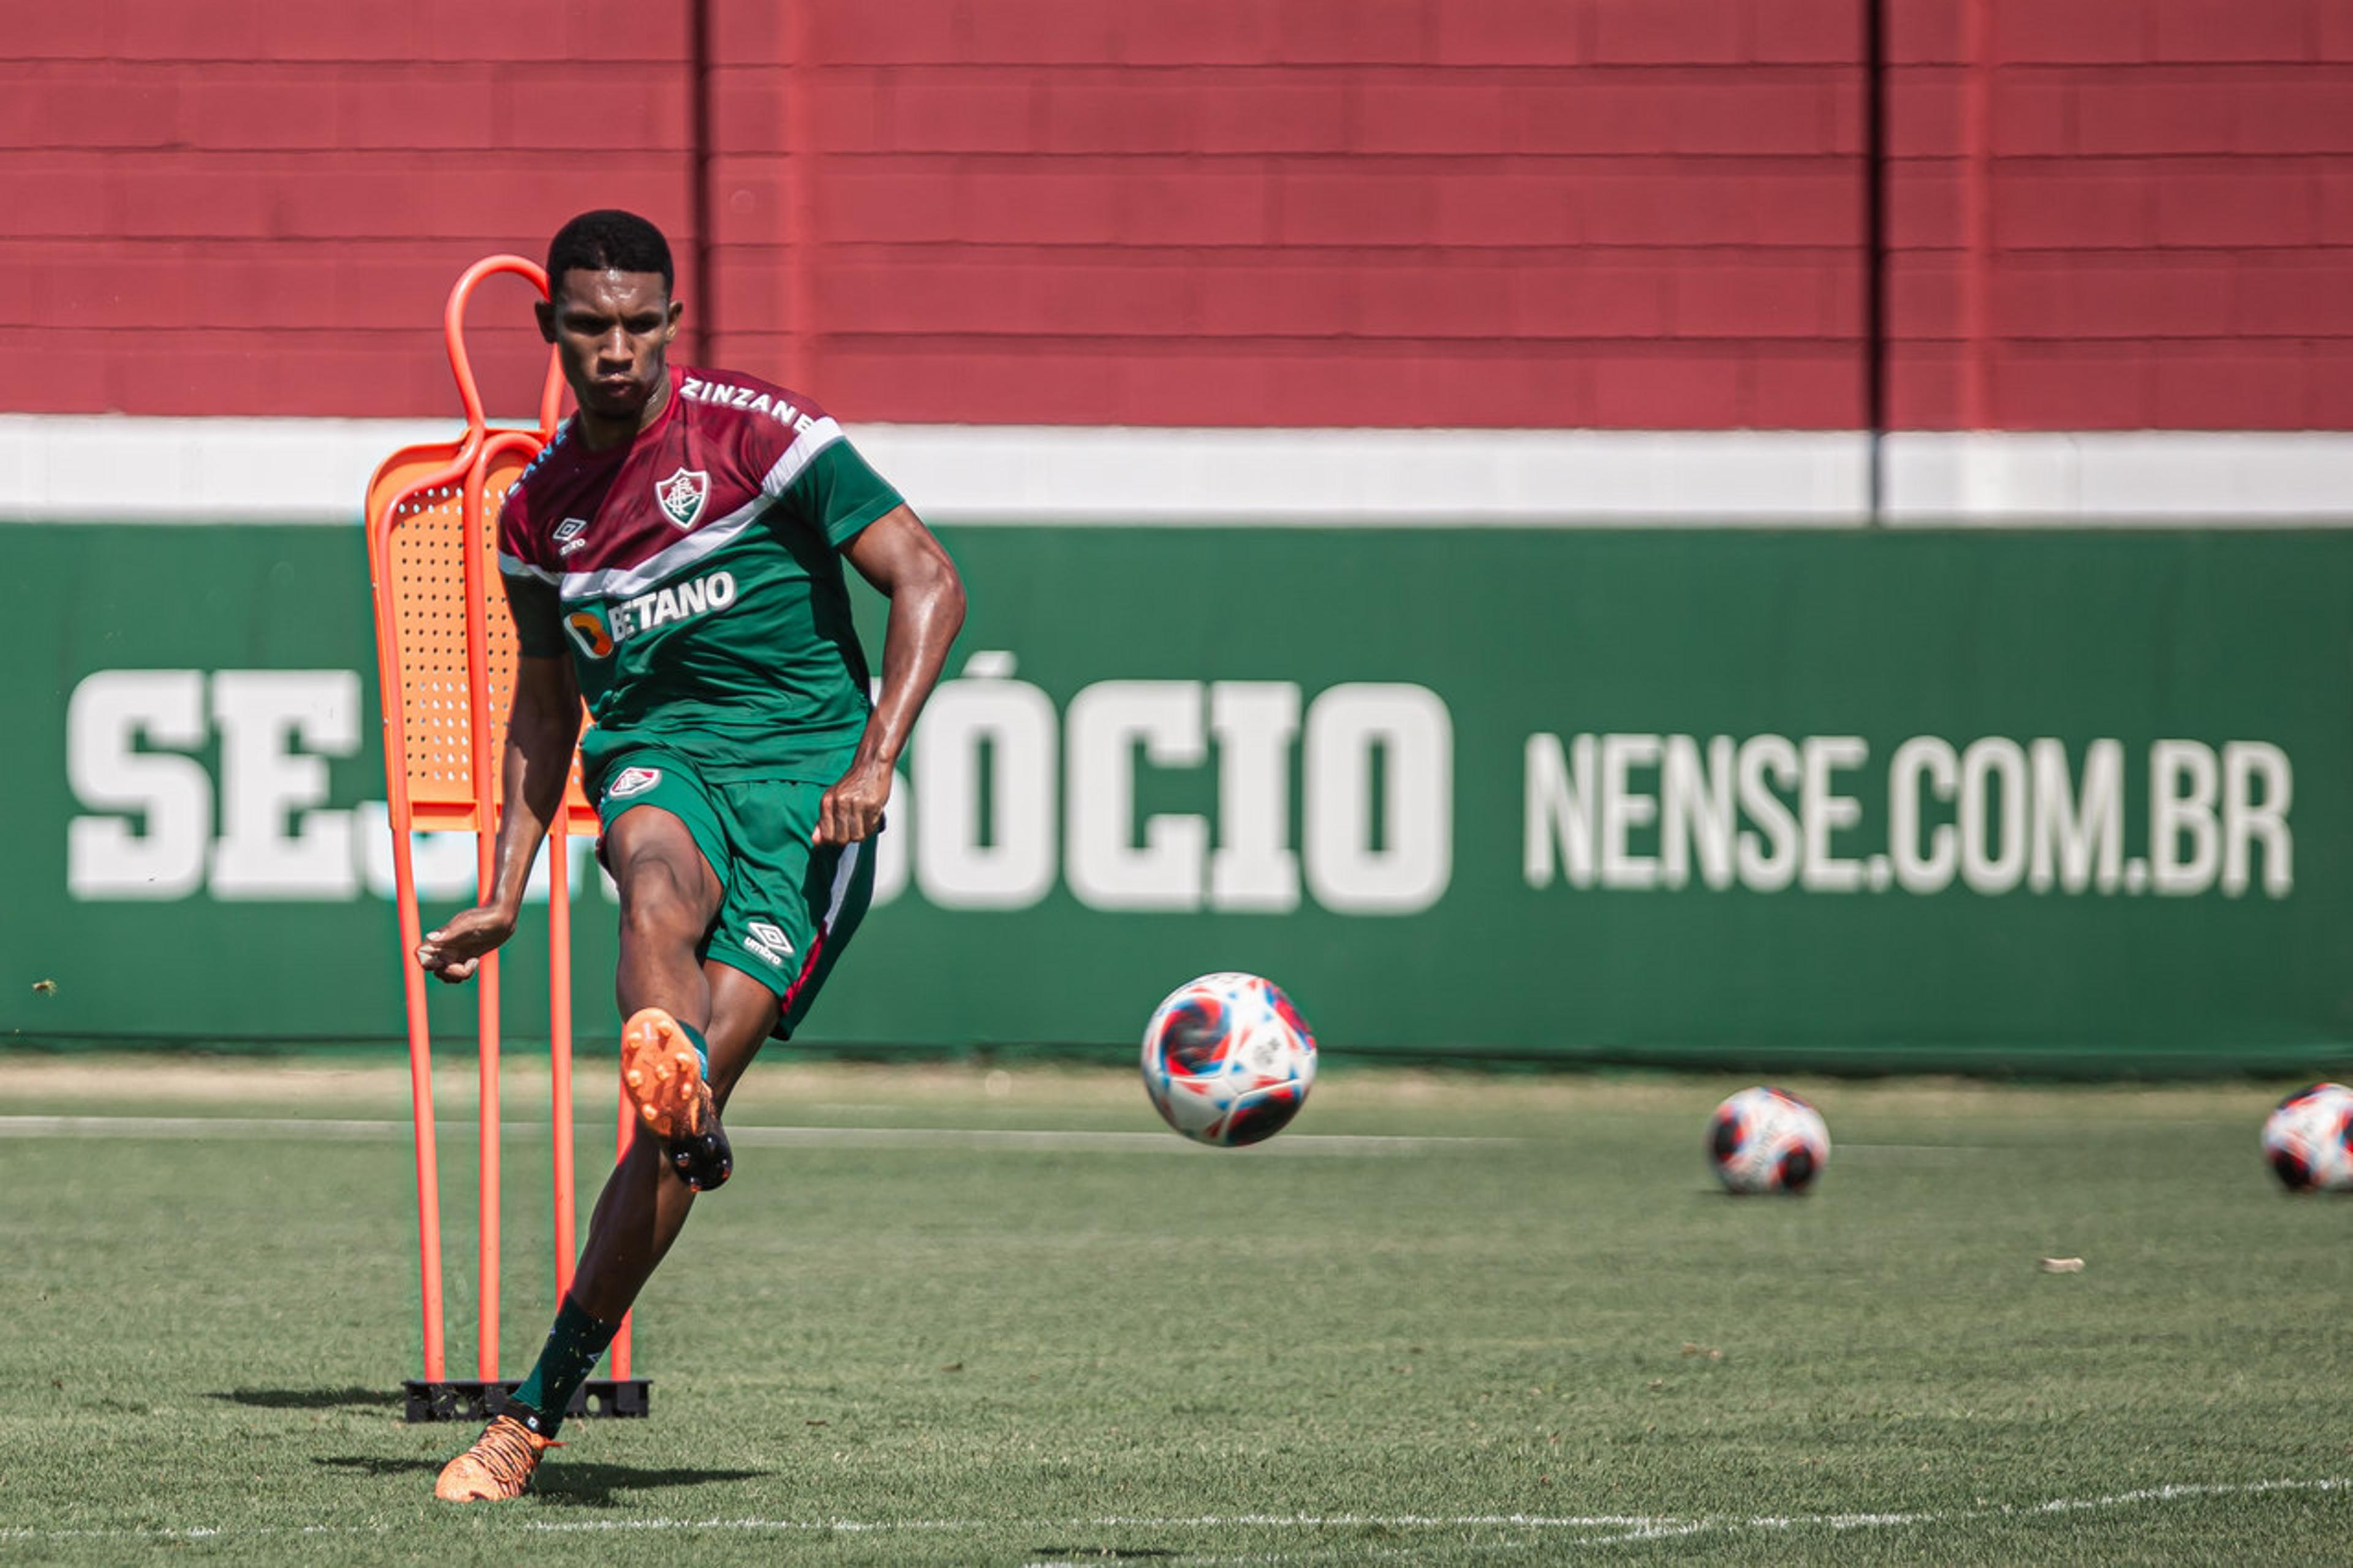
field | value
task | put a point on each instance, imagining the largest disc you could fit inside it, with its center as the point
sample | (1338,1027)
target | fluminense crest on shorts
(632,780)
(682,494)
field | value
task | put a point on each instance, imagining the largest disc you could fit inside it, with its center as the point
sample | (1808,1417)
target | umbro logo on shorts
(632,780)
(768,941)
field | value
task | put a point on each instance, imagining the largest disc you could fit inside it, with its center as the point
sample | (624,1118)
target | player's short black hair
(609,240)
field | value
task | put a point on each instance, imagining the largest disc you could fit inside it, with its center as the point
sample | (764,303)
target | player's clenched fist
(852,809)
(455,951)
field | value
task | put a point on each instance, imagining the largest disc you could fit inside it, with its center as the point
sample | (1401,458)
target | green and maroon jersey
(695,575)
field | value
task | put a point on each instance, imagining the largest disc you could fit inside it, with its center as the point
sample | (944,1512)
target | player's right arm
(542,727)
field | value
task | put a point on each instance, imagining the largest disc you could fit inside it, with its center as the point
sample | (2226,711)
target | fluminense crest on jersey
(682,494)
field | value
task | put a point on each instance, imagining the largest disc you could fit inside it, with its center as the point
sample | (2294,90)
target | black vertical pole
(705,309)
(1875,250)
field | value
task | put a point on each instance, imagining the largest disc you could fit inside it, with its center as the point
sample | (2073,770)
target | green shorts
(786,909)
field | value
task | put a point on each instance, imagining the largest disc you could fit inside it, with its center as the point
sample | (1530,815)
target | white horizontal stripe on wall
(71,468)
(2121,477)
(1046,473)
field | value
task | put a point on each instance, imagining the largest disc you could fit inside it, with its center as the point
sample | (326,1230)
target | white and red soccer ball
(1228,1060)
(2308,1139)
(1766,1140)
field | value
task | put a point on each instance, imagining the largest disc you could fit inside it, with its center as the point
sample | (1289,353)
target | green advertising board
(1762,797)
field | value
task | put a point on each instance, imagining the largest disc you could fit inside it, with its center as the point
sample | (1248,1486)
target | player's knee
(655,922)
(655,904)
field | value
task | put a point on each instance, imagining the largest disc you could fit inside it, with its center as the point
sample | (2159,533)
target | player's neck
(599,434)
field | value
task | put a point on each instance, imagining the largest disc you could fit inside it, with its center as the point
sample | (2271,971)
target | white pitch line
(1631,1526)
(1845,1522)
(1039,1141)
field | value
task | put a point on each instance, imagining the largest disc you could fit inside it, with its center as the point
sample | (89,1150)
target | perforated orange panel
(423,578)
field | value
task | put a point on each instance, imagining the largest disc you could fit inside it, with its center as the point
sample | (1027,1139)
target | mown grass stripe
(1015,1139)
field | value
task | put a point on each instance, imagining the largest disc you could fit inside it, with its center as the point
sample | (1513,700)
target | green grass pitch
(1539,1335)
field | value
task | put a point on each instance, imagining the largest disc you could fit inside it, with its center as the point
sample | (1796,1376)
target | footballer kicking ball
(1228,1061)
(1766,1140)
(2308,1139)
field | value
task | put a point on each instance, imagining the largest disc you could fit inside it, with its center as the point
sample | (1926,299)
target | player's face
(610,330)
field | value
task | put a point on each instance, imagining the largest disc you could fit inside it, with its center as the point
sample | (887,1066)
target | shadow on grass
(1108,1553)
(312,1398)
(561,1483)
(377,1464)
(602,1486)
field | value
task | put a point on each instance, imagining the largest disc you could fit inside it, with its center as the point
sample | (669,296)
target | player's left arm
(899,555)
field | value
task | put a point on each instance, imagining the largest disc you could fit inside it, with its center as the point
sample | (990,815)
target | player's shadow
(568,1485)
(312,1398)
(571,1484)
(1107,1554)
(378,1465)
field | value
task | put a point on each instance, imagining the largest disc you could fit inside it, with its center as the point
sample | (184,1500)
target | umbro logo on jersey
(632,780)
(568,532)
(768,941)
(682,494)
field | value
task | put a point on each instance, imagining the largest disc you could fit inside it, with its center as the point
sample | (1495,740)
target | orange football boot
(497,1467)
(664,1080)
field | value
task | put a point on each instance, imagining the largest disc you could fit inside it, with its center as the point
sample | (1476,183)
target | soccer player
(675,556)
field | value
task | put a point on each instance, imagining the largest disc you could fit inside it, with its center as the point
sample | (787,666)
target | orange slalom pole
(559,1035)
(621,1142)
(485,818)
(392,695)
(486,1347)
(420,1097)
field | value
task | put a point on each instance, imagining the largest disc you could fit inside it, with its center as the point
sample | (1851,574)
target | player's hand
(852,809)
(455,951)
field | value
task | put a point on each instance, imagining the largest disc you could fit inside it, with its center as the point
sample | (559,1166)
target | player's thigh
(666,846)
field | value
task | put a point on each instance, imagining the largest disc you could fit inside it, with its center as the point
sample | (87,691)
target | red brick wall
(2171,214)
(257,206)
(1630,213)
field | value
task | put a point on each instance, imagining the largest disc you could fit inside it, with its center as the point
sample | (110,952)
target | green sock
(701,1051)
(574,1345)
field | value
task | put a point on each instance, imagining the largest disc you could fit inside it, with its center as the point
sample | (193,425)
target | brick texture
(1619,213)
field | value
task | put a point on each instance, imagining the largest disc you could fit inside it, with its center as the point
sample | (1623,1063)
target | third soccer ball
(2308,1139)
(1766,1140)
(1228,1060)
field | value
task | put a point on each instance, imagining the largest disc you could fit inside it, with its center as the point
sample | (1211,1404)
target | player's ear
(677,312)
(545,311)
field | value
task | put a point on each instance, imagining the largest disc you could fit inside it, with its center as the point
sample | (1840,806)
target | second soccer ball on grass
(1766,1140)
(2308,1139)
(1228,1060)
